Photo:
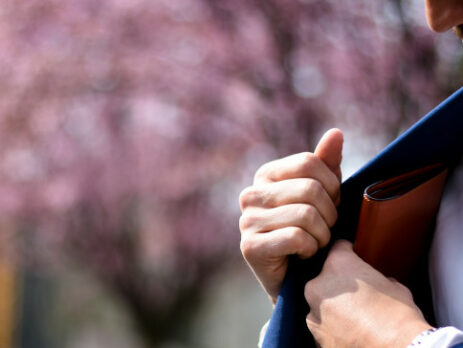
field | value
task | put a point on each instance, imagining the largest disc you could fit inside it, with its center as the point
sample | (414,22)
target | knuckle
(308,160)
(325,238)
(308,213)
(314,189)
(266,198)
(294,233)
(257,195)
(307,156)
(335,261)
(310,290)
(330,264)
(247,197)
(312,248)
(309,249)
(247,220)
(305,247)
(334,189)
(248,248)
(405,290)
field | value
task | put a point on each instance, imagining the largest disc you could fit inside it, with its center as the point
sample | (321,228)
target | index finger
(301,165)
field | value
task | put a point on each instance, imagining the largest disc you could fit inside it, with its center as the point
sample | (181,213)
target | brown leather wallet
(396,220)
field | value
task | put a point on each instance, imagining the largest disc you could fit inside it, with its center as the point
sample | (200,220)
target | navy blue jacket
(436,138)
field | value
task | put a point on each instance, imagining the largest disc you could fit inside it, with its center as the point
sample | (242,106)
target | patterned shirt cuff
(444,337)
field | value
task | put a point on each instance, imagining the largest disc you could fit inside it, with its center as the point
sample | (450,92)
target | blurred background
(129,127)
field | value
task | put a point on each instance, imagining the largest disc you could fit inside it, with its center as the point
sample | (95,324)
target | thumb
(329,150)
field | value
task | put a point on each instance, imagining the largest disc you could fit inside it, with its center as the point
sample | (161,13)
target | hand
(289,210)
(353,305)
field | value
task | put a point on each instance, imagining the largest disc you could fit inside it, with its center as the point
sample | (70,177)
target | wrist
(442,337)
(409,331)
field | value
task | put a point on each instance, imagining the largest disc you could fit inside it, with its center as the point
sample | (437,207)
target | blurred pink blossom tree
(129,126)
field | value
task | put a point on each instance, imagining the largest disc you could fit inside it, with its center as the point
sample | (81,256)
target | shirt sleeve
(445,337)
(263,331)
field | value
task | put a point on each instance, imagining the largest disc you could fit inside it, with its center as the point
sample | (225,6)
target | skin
(444,14)
(289,210)
(353,305)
